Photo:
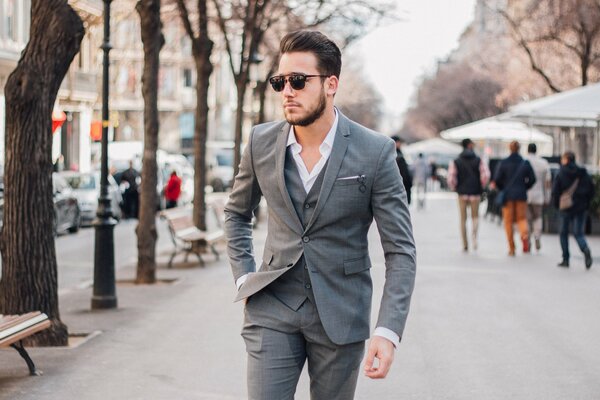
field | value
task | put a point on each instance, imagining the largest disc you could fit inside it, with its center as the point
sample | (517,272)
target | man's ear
(331,85)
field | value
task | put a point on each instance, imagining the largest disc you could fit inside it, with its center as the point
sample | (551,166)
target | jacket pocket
(357,265)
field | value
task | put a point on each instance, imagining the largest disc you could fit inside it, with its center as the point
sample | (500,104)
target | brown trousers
(515,211)
(463,204)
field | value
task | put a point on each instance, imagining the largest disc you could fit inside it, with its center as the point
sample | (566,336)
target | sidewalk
(482,326)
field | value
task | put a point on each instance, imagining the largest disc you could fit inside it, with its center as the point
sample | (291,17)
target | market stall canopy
(573,108)
(494,129)
(436,149)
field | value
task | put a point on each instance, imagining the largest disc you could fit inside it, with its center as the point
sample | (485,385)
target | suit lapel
(280,166)
(340,145)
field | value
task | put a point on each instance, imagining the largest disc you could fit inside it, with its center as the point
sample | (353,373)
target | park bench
(186,237)
(15,328)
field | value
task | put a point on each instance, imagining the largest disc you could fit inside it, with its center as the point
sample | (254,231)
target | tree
(202,47)
(29,270)
(560,38)
(248,21)
(455,95)
(153,40)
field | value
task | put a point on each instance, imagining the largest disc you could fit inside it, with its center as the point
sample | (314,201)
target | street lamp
(104,295)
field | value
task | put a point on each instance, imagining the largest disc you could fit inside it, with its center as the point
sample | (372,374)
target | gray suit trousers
(276,357)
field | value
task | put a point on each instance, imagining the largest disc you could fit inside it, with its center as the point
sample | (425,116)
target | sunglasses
(297,81)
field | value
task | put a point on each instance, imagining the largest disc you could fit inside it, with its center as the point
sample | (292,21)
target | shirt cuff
(240,281)
(387,334)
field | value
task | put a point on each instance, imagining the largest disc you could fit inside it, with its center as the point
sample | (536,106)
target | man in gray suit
(324,178)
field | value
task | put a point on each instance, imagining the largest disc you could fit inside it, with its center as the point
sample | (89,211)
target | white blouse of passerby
(539,193)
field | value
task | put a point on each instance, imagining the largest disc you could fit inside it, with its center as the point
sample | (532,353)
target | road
(482,326)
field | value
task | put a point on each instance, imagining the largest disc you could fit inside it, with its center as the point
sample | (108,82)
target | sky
(396,55)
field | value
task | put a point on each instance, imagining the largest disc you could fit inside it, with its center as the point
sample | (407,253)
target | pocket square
(345,178)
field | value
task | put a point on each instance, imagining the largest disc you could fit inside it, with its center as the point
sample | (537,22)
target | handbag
(500,199)
(566,198)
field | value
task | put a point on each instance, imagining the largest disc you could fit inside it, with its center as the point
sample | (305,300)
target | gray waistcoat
(294,287)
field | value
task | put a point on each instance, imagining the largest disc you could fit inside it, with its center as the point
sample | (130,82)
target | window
(187,78)
(9,22)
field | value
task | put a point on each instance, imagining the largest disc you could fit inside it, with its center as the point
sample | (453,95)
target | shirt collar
(327,144)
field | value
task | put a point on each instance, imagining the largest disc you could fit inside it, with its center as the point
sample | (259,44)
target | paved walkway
(482,326)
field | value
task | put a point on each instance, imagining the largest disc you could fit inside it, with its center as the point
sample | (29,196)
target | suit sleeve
(243,200)
(390,210)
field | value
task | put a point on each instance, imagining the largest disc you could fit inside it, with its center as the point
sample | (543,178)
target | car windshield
(81,181)
(225,159)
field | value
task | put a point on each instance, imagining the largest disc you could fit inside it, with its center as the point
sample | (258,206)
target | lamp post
(104,295)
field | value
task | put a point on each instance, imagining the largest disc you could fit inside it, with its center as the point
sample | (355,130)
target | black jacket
(521,182)
(468,177)
(404,171)
(583,193)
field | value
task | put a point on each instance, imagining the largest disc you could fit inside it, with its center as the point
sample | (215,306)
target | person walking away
(131,196)
(403,167)
(172,190)
(468,175)
(572,193)
(539,194)
(420,174)
(514,177)
(325,178)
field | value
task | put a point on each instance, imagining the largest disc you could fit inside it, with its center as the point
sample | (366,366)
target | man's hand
(383,350)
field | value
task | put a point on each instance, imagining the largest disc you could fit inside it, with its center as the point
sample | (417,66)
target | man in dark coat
(131,195)
(515,177)
(573,179)
(403,167)
(468,175)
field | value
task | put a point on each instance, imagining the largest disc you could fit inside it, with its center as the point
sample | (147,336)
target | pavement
(482,326)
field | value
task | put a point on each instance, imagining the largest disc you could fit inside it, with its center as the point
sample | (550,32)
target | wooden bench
(186,236)
(15,328)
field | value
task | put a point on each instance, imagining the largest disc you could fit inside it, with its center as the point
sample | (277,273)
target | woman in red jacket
(173,190)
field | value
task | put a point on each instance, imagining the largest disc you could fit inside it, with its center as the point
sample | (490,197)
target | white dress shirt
(308,180)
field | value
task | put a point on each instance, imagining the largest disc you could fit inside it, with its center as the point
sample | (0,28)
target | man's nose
(287,89)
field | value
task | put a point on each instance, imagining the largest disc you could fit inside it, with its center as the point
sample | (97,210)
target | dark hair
(396,138)
(329,56)
(466,142)
(569,155)
(531,148)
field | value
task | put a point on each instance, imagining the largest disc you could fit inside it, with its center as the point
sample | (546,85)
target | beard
(313,114)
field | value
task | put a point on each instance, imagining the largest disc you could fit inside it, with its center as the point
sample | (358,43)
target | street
(482,325)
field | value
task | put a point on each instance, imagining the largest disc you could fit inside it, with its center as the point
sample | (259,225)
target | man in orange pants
(514,176)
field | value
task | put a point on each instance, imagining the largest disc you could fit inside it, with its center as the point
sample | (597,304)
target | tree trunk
(239,120)
(153,40)
(204,68)
(29,269)
(203,71)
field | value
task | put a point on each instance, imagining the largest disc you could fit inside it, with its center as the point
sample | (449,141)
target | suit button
(305,266)
(306,239)
(307,286)
(290,265)
(307,206)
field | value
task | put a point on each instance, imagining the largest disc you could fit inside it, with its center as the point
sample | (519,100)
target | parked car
(67,215)
(86,187)
(219,159)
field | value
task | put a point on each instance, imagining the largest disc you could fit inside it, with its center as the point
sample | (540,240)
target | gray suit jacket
(334,241)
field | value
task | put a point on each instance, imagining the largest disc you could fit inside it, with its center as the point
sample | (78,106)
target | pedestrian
(468,175)
(403,167)
(324,178)
(539,194)
(514,177)
(572,193)
(130,178)
(172,190)
(420,174)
